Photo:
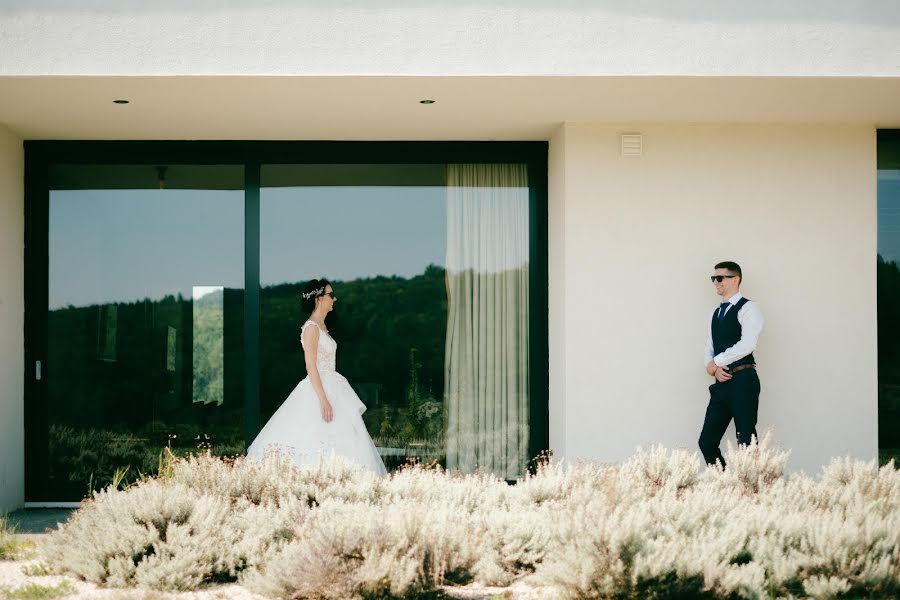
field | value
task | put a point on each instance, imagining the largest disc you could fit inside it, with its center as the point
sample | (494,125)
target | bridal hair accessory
(315,293)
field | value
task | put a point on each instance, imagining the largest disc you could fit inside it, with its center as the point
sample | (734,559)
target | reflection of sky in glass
(889,214)
(127,245)
(343,233)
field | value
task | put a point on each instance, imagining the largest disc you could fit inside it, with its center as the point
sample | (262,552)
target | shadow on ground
(38,520)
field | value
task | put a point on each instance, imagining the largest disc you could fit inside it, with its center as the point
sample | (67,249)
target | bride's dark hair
(311,290)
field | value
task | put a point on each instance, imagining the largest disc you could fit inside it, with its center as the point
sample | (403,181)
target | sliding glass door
(163,304)
(430,265)
(144,320)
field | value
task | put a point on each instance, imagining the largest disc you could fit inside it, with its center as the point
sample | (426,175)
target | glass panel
(377,232)
(401,244)
(889,300)
(145,323)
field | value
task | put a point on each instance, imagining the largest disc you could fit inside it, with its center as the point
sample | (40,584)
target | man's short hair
(733,267)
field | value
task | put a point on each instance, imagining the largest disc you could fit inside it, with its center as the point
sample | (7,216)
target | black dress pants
(738,399)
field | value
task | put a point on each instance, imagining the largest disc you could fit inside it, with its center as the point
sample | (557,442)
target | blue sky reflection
(889,214)
(126,245)
(344,233)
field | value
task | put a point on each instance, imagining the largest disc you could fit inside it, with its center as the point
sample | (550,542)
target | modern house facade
(622,149)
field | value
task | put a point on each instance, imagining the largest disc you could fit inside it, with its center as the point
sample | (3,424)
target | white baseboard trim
(52,504)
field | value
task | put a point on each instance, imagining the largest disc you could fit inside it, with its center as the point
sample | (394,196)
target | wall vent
(632,144)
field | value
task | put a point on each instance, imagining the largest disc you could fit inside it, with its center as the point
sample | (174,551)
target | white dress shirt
(751,320)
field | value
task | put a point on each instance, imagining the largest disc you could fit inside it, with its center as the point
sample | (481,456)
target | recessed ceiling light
(426,101)
(120,101)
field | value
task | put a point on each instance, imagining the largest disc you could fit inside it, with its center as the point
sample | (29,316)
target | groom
(734,331)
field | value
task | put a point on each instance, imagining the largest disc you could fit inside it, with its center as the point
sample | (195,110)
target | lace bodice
(327,352)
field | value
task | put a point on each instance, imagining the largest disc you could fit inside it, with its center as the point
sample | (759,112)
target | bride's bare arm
(310,351)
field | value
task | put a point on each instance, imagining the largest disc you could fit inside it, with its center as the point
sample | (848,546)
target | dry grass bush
(346,550)
(158,534)
(275,478)
(747,532)
(13,547)
(656,526)
(8,542)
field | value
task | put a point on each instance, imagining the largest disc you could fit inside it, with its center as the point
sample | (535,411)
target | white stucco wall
(556,297)
(12,322)
(632,243)
(571,37)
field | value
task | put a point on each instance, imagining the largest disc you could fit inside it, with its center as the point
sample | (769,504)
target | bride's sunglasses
(719,278)
(331,293)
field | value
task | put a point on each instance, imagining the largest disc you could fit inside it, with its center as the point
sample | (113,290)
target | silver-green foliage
(657,525)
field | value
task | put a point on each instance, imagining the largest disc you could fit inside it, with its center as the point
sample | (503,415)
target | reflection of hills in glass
(124,377)
(208,351)
(390,330)
(378,323)
(211,299)
(178,363)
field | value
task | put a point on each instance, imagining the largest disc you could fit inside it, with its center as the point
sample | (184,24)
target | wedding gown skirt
(298,430)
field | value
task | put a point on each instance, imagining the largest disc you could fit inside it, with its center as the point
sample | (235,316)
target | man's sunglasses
(719,278)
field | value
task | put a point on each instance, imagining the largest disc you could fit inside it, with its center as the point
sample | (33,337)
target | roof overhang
(389,108)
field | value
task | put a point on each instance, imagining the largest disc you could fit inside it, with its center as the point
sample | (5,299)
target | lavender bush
(656,526)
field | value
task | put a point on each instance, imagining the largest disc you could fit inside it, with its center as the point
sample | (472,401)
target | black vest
(727,332)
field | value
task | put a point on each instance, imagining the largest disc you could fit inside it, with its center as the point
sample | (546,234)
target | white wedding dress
(298,430)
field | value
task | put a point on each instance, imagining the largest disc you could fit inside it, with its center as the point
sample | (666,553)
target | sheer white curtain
(486,358)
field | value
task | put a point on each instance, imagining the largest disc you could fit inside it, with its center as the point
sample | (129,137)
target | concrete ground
(38,520)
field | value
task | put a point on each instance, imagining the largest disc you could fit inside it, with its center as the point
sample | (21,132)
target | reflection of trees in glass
(209,365)
(104,415)
(423,415)
(390,333)
(171,348)
(107,414)
(888,359)
(106,331)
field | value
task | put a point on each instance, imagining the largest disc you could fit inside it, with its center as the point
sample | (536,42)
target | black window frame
(40,155)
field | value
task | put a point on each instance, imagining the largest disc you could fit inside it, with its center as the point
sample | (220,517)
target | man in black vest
(733,333)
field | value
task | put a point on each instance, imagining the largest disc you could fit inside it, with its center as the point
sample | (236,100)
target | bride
(323,415)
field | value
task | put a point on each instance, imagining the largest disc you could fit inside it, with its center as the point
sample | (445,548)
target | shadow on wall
(733,11)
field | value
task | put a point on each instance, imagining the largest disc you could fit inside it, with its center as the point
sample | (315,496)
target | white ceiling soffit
(389,108)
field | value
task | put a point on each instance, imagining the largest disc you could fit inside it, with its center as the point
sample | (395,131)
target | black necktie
(722,308)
